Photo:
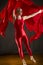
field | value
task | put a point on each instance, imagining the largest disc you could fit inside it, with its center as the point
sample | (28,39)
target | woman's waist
(20,32)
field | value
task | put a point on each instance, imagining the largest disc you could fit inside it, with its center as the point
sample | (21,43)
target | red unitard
(20,35)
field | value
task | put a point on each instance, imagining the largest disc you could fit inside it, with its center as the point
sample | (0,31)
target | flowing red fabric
(33,24)
(4,16)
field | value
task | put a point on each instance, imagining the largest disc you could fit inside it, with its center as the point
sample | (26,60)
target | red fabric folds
(33,24)
(3,22)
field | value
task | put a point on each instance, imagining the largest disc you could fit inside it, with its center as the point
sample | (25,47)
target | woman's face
(20,11)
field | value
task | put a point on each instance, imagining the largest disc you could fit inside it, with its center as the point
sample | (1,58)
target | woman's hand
(40,11)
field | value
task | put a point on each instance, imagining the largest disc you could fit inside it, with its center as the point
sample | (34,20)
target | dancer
(19,23)
(20,34)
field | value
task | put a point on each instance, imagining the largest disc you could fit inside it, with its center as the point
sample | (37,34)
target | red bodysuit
(21,35)
(19,24)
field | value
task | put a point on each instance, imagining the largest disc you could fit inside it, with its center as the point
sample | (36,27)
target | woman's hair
(18,10)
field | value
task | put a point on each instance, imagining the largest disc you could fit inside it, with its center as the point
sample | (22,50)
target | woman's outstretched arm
(14,16)
(32,15)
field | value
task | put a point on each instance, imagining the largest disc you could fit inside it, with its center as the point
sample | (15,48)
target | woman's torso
(19,27)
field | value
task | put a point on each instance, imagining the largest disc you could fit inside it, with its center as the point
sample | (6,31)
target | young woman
(20,34)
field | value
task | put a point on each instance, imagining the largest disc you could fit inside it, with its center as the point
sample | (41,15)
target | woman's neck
(19,17)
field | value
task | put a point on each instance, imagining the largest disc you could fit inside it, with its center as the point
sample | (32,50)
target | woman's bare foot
(24,62)
(32,59)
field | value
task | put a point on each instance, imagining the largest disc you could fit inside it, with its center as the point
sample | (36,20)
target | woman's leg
(28,48)
(19,45)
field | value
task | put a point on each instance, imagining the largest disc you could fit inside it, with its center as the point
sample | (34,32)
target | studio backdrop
(8,44)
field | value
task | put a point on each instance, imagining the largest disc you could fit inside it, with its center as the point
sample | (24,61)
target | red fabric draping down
(33,24)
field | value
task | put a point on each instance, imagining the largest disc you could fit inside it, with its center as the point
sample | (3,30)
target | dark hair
(17,11)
